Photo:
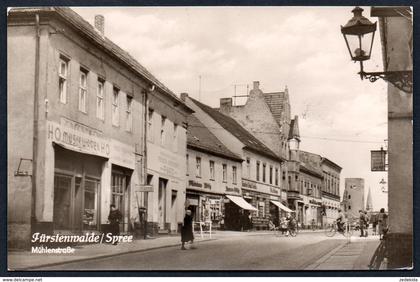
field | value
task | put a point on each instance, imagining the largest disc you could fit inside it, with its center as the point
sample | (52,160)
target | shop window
(62,78)
(83,76)
(129,115)
(90,212)
(198,166)
(234,175)
(115,107)
(263,172)
(62,200)
(224,172)
(211,164)
(258,171)
(100,99)
(261,209)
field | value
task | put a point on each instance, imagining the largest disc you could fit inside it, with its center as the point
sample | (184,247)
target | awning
(281,206)
(241,203)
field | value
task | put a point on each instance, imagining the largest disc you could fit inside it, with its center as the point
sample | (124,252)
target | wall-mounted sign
(232,189)
(193,183)
(378,160)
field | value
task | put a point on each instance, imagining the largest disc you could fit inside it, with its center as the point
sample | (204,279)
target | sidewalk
(351,255)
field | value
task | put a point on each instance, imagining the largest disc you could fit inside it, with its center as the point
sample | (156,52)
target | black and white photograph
(210,138)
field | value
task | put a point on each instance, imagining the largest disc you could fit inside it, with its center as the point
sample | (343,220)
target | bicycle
(331,230)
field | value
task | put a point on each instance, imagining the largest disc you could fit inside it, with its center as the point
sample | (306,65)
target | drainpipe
(146,194)
(35,123)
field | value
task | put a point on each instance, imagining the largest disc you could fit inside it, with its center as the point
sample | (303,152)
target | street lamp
(359,33)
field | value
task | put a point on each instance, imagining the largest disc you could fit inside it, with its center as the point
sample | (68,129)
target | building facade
(213,172)
(396,33)
(330,190)
(353,197)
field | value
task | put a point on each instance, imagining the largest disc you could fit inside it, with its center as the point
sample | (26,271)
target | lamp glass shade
(359,34)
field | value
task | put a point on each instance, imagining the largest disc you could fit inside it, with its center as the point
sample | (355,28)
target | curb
(321,260)
(30,268)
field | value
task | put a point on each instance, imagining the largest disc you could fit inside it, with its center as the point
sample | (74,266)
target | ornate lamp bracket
(403,80)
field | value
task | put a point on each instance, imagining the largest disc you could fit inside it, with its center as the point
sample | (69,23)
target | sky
(206,51)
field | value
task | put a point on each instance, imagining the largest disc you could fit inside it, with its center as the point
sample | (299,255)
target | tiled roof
(199,137)
(75,20)
(232,126)
(275,102)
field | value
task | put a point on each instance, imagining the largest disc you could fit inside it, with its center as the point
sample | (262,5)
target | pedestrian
(382,224)
(250,224)
(362,223)
(367,223)
(114,219)
(187,230)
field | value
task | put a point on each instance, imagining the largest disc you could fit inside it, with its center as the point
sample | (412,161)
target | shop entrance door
(174,210)
(119,197)
(162,203)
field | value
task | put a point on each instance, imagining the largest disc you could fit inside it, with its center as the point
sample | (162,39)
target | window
(150,125)
(264,166)
(212,170)
(234,174)
(277,177)
(248,167)
(198,166)
(100,99)
(187,160)
(162,130)
(82,89)
(62,79)
(129,116)
(258,171)
(115,107)
(349,197)
(284,175)
(175,137)
(271,174)
(224,173)
(349,207)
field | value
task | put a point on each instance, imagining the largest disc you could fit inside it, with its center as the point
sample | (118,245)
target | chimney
(100,24)
(256,85)
(184,96)
(225,105)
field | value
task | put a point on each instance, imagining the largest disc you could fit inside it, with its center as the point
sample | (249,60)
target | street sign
(378,160)
(144,188)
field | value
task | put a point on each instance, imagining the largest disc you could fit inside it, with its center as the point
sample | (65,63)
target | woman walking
(382,224)
(187,230)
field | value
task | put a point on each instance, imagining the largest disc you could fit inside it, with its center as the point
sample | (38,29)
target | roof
(310,163)
(250,141)
(331,163)
(80,24)
(275,102)
(199,137)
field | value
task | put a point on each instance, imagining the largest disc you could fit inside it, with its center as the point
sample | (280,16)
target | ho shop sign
(77,141)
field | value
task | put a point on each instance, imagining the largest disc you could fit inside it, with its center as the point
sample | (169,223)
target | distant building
(213,172)
(354,197)
(330,190)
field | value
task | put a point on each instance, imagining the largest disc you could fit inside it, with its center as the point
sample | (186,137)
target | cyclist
(340,221)
(291,224)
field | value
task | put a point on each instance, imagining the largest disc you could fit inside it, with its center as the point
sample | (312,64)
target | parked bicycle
(332,229)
